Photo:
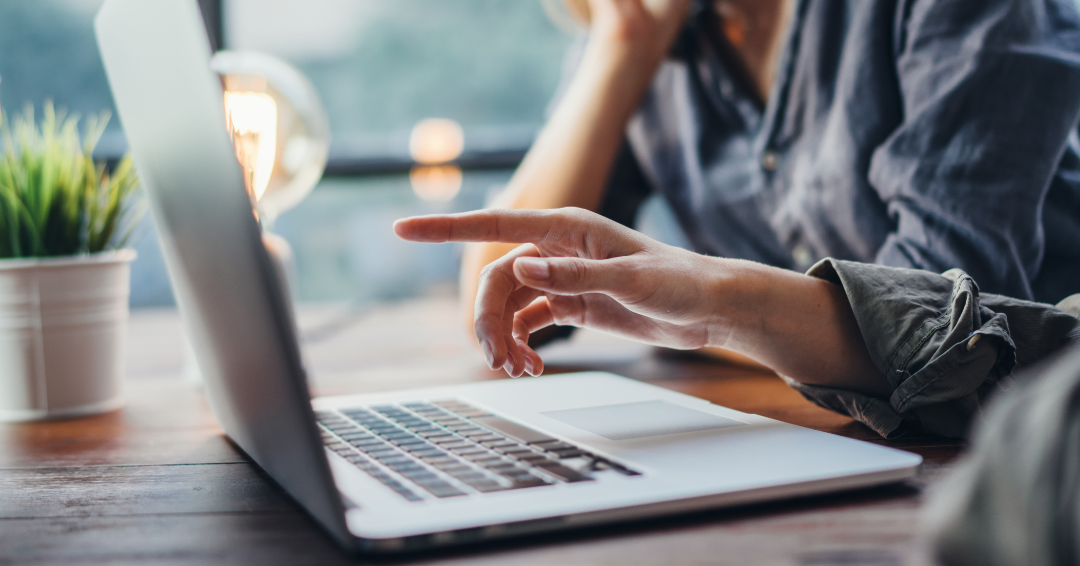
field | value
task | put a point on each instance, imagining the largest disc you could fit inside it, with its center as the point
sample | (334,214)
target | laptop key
(443,490)
(500,443)
(426,427)
(480,433)
(560,471)
(467,475)
(469,450)
(499,466)
(514,450)
(486,486)
(445,439)
(423,451)
(553,445)
(527,481)
(466,429)
(419,475)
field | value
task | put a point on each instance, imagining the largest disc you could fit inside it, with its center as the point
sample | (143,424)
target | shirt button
(726,90)
(803,256)
(769,160)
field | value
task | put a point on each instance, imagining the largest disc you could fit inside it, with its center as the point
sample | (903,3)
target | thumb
(571,275)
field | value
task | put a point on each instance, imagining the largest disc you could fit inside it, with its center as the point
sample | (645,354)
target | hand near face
(647,26)
(576,268)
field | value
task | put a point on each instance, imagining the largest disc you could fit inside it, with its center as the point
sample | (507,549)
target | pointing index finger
(493,225)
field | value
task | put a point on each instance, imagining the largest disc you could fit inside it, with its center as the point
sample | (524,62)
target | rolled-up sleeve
(944,347)
(989,100)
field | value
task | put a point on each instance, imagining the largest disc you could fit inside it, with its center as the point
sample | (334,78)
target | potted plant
(64,271)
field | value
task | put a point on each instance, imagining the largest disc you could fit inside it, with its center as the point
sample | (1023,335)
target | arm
(988,92)
(570,161)
(580,269)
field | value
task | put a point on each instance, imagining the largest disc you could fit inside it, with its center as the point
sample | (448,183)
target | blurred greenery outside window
(380,66)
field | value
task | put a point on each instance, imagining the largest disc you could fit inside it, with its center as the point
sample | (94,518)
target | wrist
(625,67)
(725,296)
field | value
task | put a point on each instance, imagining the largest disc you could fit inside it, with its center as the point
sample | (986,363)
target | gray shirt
(945,348)
(925,134)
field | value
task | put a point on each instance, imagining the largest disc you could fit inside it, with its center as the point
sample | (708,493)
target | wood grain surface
(157,483)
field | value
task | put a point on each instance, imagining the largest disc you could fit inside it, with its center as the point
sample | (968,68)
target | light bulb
(252,121)
(278,126)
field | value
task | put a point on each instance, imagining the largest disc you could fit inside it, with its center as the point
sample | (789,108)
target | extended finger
(490,225)
(567,229)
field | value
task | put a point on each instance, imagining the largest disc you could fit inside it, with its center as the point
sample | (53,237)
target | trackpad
(627,421)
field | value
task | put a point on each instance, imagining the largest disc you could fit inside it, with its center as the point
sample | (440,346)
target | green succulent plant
(55,200)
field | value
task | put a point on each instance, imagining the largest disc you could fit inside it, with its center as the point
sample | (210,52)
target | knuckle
(576,214)
(575,272)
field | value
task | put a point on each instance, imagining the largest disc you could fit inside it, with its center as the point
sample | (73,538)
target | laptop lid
(156,56)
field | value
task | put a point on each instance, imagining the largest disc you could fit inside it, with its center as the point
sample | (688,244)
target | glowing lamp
(278,126)
(434,144)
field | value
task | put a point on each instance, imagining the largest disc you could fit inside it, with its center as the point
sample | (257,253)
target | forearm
(800,326)
(570,161)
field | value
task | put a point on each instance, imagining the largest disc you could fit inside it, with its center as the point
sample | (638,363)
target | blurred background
(491,66)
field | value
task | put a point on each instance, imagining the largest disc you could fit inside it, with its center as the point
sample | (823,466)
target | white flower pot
(63,325)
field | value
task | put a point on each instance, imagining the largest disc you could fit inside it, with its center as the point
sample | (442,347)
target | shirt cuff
(942,351)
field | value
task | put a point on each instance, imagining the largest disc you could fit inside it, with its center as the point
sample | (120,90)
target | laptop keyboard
(449,449)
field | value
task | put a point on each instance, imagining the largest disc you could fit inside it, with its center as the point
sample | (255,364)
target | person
(898,349)
(1012,499)
(911,133)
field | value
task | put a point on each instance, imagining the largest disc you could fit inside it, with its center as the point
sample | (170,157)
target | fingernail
(489,354)
(529,367)
(535,268)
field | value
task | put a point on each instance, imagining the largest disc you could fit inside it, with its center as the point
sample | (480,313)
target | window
(490,65)
(380,67)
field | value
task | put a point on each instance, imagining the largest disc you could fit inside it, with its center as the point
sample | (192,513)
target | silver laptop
(415,469)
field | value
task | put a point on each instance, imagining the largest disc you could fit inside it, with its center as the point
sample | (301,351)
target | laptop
(401,471)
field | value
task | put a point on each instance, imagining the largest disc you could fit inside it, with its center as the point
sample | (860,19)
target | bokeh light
(438,183)
(435,141)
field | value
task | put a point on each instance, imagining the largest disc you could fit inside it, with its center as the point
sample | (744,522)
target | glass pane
(344,245)
(490,65)
(48,51)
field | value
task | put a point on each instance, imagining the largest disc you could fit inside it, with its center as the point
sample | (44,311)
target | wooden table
(156,482)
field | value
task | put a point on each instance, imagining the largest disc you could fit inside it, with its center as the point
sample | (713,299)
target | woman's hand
(578,269)
(653,21)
